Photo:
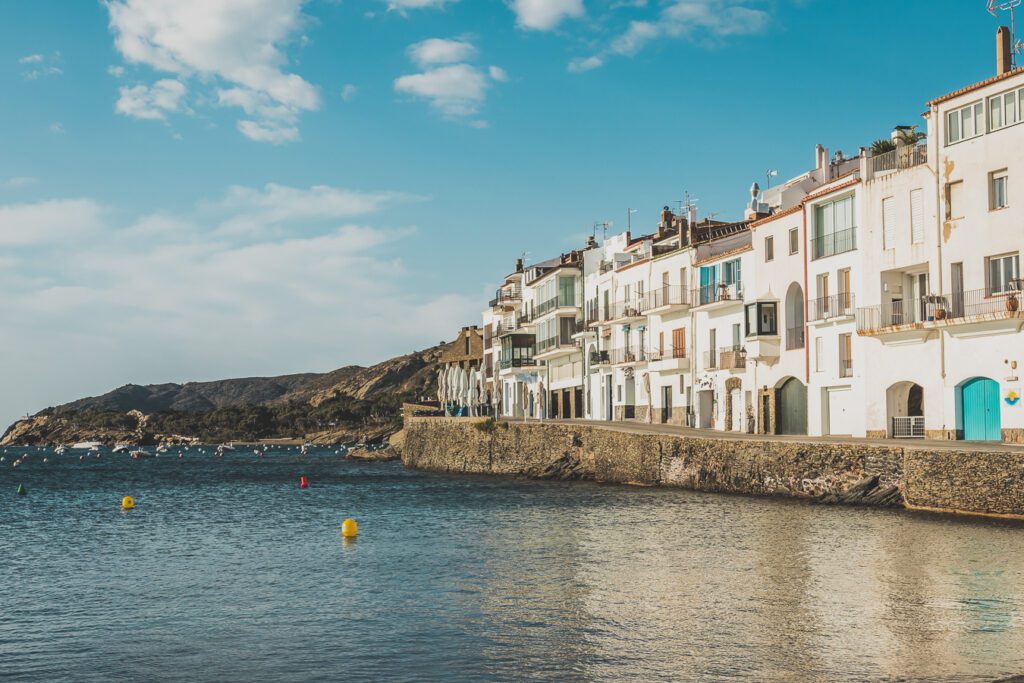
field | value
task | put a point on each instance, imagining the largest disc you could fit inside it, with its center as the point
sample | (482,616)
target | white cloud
(175,288)
(544,15)
(234,43)
(55,221)
(18,182)
(38,66)
(348,92)
(700,21)
(585,64)
(252,211)
(441,51)
(402,5)
(115,70)
(456,90)
(151,102)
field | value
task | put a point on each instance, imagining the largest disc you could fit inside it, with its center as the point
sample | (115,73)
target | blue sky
(212,188)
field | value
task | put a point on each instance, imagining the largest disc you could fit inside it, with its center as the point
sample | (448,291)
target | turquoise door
(980,397)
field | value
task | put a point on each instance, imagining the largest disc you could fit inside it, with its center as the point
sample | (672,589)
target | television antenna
(995,6)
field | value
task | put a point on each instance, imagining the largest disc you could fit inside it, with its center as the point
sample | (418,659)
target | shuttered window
(679,342)
(917,216)
(889,223)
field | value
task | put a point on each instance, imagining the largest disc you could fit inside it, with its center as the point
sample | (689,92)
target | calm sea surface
(227,570)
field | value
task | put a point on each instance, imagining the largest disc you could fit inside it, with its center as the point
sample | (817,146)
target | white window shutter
(917,216)
(889,222)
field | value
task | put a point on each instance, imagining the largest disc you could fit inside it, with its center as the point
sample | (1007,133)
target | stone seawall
(833,472)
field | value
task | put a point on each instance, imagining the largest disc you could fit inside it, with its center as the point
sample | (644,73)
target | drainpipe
(939,220)
(938,230)
(807,336)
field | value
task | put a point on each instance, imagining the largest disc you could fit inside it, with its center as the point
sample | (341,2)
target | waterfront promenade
(943,476)
(635,427)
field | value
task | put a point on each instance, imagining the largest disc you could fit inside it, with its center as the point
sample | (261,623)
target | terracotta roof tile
(976,86)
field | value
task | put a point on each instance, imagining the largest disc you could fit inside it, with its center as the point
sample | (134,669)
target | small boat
(138,455)
(88,445)
(121,448)
(60,450)
(226,447)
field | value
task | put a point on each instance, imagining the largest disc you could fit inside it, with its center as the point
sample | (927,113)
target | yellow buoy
(349,528)
(127,503)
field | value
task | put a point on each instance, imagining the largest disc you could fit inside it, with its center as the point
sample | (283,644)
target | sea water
(227,570)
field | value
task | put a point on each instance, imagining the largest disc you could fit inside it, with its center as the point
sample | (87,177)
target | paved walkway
(921,444)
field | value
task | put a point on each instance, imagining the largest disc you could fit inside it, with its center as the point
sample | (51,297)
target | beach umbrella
(440,386)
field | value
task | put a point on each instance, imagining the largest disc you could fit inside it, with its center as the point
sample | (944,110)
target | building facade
(875,295)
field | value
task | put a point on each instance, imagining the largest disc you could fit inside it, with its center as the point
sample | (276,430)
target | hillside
(348,404)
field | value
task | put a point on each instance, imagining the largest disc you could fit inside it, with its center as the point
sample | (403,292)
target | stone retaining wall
(883,474)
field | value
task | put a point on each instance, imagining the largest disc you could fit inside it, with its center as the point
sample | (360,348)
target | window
(794,240)
(1001,270)
(736,335)
(1004,109)
(955,200)
(731,272)
(845,296)
(964,123)
(679,342)
(917,216)
(846,355)
(769,249)
(834,229)
(566,291)
(888,223)
(819,358)
(997,190)
(822,282)
(762,319)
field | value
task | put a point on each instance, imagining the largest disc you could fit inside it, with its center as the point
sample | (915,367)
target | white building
(875,296)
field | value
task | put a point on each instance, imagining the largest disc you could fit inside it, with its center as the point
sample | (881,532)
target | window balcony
(517,363)
(723,293)
(600,357)
(668,298)
(627,356)
(903,157)
(963,314)
(630,311)
(830,308)
(554,303)
(668,359)
(833,243)
(846,367)
(506,298)
(732,358)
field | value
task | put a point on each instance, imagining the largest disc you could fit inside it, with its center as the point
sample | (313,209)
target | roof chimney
(519,265)
(666,222)
(1004,50)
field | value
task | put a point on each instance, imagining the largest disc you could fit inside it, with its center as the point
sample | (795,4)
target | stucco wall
(990,482)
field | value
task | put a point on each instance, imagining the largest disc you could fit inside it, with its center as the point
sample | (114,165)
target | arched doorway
(978,410)
(905,410)
(795,317)
(791,407)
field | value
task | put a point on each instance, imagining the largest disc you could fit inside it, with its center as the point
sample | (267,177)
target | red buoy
(303,482)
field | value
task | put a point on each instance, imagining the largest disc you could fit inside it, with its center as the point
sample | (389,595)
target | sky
(202,189)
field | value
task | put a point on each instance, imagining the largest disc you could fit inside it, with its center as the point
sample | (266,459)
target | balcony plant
(1015,285)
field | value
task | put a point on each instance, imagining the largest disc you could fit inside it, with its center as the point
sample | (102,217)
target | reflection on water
(227,570)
